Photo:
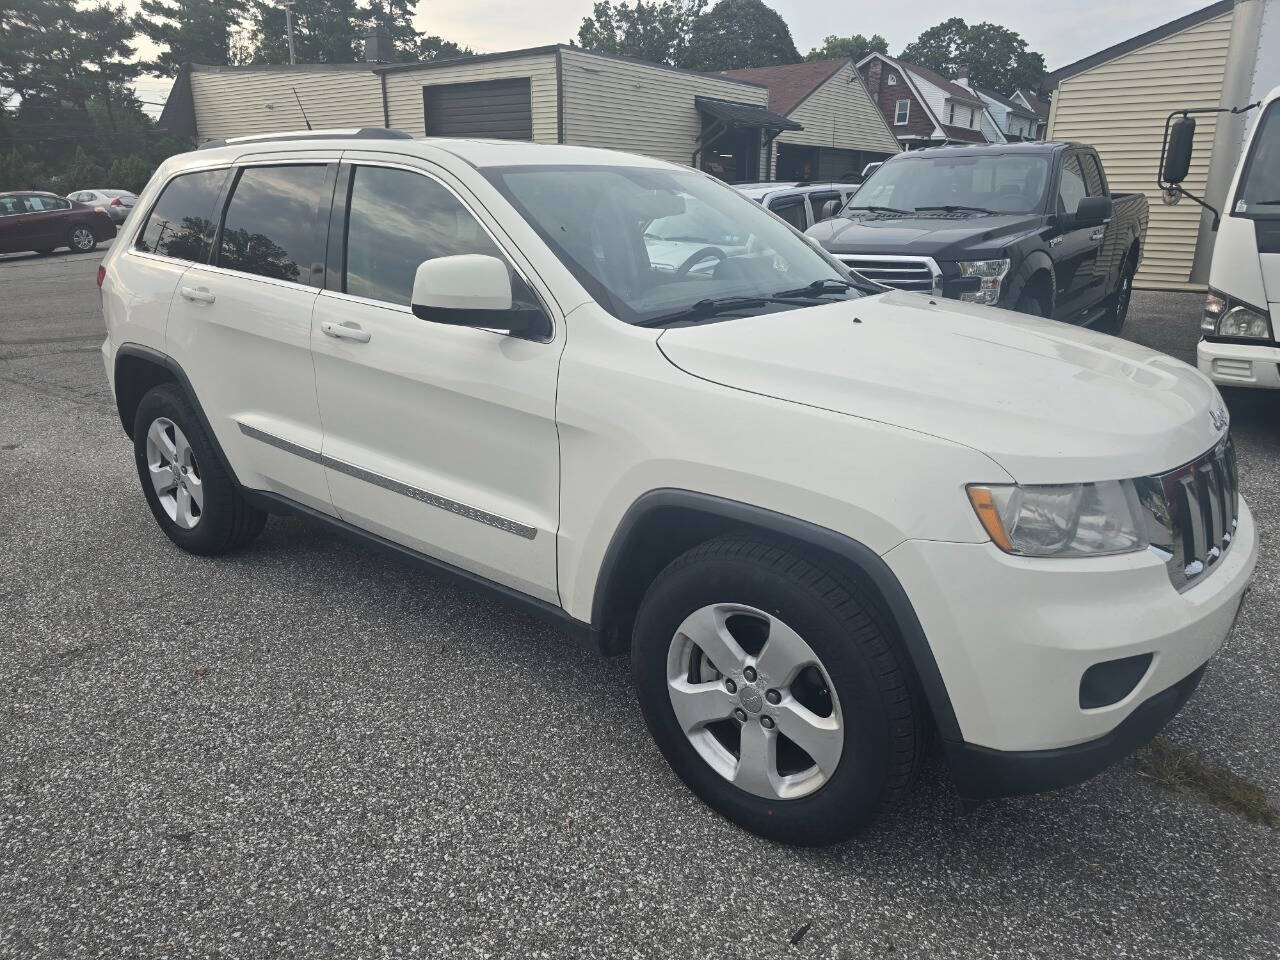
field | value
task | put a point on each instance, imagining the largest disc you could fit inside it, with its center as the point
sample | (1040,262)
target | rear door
(438,437)
(241,325)
(12,214)
(40,225)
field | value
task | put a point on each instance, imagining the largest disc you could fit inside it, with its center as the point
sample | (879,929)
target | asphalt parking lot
(306,750)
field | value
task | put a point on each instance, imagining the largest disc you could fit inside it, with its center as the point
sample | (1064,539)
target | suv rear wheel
(776,691)
(190,495)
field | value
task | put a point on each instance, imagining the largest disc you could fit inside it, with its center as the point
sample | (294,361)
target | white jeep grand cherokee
(825,519)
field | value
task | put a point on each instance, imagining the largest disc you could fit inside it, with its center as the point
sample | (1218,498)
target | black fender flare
(1034,262)
(179,377)
(862,557)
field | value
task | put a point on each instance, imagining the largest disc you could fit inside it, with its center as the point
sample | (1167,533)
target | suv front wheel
(191,496)
(776,690)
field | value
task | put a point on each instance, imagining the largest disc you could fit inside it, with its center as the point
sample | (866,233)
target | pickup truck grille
(920,274)
(1193,513)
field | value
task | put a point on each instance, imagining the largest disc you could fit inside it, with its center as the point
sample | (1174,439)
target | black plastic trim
(981,773)
(549,612)
(866,560)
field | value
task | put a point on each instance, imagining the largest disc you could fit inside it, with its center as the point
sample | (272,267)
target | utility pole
(288,19)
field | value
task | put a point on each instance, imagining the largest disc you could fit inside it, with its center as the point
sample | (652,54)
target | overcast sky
(1062,30)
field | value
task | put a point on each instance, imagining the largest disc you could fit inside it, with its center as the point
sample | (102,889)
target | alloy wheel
(175,475)
(82,238)
(755,701)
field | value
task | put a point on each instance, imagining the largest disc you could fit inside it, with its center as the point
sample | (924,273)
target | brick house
(924,108)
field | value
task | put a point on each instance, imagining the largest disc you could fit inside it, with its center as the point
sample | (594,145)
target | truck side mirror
(829,209)
(1093,212)
(1177,155)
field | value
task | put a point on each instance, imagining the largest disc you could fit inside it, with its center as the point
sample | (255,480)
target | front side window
(397,220)
(1260,183)
(270,226)
(902,112)
(627,235)
(181,223)
(45,204)
(1071,186)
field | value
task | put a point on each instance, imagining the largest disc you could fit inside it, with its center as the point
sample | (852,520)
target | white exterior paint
(564,436)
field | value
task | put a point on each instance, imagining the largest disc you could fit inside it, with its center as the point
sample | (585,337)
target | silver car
(116,203)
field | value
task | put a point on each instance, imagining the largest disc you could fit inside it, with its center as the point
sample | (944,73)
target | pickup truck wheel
(775,691)
(81,239)
(192,498)
(1031,302)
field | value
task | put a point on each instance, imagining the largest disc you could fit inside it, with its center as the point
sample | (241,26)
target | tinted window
(270,226)
(1260,184)
(790,210)
(399,219)
(1071,188)
(816,201)
(1092,177)
(181,223)
(11,205)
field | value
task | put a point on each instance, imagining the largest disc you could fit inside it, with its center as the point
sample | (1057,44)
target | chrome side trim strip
(388,483)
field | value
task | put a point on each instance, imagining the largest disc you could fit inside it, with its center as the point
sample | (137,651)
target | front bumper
(1240,364)
(1013,637)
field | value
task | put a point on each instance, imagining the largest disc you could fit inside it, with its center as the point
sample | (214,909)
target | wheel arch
(664,523)
(1036,273)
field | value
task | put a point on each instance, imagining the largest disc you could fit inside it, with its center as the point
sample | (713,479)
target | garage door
(488,108)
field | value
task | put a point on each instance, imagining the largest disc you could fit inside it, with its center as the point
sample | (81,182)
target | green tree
(83,172)
(997,57)
(324,31)
(396,17)
(190,31)
(107,53)
(738,33)
(654,31)
(438,48)
(855,47)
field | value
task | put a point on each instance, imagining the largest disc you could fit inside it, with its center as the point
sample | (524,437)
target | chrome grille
(1192,513)
(920,274)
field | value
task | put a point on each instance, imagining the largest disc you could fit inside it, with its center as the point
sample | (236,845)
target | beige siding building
(557,94)
(1118,101)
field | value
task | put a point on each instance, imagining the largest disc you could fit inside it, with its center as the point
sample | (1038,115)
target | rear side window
(42,204)
(270,226)
(817,200)
(181,222)
(399,219)
(10,206)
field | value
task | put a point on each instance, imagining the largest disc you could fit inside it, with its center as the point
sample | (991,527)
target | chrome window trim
(502,247)
(457,507)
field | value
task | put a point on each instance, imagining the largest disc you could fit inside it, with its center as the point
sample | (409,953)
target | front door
(1075,254)
(436,437)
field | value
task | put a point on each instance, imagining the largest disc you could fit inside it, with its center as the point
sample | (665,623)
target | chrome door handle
(344,331)
(197,294)
(1097,235)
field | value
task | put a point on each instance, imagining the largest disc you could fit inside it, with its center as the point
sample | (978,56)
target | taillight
(102,275)
(116,202)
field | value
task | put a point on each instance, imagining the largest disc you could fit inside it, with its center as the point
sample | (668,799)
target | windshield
(999,183)
(650,243)
(1260,184)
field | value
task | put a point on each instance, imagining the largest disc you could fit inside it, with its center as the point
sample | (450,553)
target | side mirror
(830,209)
(1177,154)
(1093,212)
(475,290)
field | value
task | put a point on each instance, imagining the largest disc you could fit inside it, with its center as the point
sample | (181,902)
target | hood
(1050,403)
(944,237)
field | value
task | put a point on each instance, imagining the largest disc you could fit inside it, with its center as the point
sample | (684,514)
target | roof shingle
(789,83)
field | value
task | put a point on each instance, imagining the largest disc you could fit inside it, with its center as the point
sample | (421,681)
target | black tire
(227,521)
(1031,302)
(885,722)
(81,239)
(1118,311)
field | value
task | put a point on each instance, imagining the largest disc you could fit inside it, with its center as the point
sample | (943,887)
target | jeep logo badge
(1218,417)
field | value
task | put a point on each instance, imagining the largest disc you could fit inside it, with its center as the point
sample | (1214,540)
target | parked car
(1238,343)
(45,221)
(116,203)
(800,204)
(1028,226)
(823,517)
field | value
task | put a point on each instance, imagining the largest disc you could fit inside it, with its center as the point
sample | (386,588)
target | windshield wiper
(955,208)
(883,210)
(819,288)
(710,307)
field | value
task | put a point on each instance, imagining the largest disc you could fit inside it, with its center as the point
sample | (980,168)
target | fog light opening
(1110,682)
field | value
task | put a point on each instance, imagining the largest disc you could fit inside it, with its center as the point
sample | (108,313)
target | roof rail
(363,133)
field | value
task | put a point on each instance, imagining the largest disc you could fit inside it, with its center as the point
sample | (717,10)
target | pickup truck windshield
(999,183)
(650,244)
(1260,186)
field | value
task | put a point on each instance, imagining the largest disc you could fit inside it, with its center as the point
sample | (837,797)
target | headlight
(990,274)
(1061,520)
(1224,317)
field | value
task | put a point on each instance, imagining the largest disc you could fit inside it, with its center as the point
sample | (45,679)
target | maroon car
(30,220)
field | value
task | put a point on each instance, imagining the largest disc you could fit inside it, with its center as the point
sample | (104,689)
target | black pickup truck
(1027,226)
